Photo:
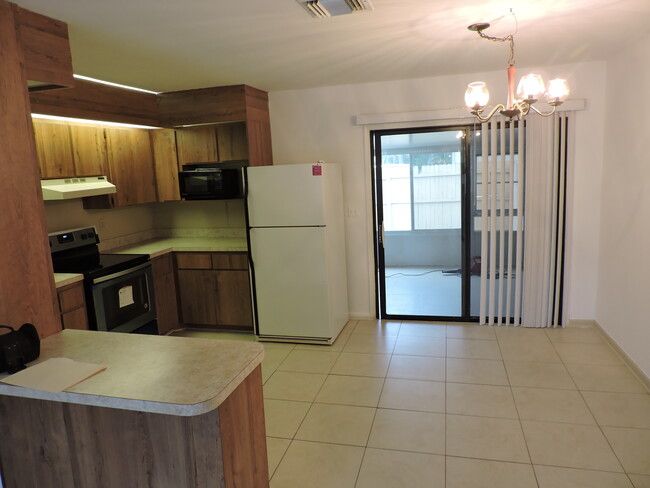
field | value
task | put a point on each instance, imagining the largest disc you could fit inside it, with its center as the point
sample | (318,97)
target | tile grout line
(374,417)
(521,426)
(600,427)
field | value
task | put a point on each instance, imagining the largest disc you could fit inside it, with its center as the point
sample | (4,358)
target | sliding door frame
(378,220)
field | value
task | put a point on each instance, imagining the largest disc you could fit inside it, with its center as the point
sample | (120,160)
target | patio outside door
(421,221)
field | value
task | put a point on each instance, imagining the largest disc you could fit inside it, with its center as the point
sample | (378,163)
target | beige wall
(121,222)
(319,124)
(624,266)
(70,214)
(200,214)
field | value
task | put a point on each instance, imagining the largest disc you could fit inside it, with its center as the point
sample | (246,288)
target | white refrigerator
(297,249)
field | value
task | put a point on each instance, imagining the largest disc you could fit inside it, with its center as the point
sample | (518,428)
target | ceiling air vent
(327,8)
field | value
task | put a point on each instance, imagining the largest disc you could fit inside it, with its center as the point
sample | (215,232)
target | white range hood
(67,188)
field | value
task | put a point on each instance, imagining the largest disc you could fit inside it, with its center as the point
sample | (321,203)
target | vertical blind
(522,225)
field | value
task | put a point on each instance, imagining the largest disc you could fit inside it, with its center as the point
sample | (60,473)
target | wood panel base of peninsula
(48,444)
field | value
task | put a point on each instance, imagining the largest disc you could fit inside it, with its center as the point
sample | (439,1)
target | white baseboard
(629,362)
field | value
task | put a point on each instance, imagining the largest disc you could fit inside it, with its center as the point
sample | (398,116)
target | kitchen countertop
(156,374)
(64,279)
(158,247)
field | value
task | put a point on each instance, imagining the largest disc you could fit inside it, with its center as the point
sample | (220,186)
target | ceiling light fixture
(322,9)
(530,88)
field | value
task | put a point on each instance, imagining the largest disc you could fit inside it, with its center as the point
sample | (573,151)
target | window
(421,181)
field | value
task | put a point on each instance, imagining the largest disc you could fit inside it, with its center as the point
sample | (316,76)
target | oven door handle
(96,281)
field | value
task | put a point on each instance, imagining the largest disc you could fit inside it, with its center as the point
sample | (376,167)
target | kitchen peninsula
(167,412)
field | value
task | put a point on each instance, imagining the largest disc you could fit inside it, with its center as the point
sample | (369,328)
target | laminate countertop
(158,247)
(156,374)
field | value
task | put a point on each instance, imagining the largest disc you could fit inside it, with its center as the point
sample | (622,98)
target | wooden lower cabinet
(233,298)
(72,306)
(48,444)
(197,290)
(214,290)
(164,283)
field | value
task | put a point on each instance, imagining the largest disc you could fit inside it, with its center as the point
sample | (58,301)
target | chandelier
(530,89)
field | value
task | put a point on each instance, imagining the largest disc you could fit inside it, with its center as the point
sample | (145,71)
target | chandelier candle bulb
(557,92)
(530,88)
(477,95)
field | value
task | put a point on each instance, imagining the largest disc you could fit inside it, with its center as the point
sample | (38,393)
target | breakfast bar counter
(167,412)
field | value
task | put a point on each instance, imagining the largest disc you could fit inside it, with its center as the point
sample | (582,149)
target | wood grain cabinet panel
(196,145)
(51,444)
(232,142)
(72,306)
(230,260)
(88,150)
(193,260)
(163,144)
(165,291)
(197,290)
(233,298)
(131,166)
(214,289)
(54,148)
(76,319)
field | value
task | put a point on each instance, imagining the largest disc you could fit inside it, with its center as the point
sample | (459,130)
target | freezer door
(286,195)
(291,282)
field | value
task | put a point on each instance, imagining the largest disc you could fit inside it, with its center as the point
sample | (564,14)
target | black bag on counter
(18,347)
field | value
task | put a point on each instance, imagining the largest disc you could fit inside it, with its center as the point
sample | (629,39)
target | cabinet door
(54,148)
(197,293)
(164,284)
(163,144)
(232,142)
(233,298)
(196,145)
(76,319)
(88,150)
(130,163)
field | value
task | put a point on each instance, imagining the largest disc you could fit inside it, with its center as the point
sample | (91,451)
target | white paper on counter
(54,374)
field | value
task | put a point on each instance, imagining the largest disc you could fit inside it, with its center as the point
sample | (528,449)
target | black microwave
(212,181)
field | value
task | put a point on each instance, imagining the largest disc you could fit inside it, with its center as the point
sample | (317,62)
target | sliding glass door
(421,221)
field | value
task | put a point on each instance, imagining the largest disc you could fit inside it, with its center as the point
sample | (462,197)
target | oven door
(124,301)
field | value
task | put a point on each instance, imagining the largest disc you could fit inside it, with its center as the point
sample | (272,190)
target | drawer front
(71,298)
(76,319)
(192,260)
(230,260)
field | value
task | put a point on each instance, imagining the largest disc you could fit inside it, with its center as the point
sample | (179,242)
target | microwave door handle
(121,273)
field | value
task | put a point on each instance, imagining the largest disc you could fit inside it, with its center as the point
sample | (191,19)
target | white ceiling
(165,45)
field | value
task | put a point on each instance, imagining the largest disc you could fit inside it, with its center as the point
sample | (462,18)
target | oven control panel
(73,238)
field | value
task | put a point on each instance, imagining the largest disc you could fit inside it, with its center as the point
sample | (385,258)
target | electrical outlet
(101,224)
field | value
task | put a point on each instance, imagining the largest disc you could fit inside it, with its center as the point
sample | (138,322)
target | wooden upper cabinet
(88,150)
(131,166)
(54,148)
(163,144)
(238,107)
(196,145)
(232,142)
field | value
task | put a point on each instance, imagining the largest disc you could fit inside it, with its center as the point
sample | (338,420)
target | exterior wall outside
(623,265)
(319,124)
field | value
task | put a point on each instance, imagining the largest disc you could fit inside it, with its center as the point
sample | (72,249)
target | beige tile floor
(410,404)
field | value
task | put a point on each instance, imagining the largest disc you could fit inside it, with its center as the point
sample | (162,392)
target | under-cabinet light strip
(94,122)
(95,80)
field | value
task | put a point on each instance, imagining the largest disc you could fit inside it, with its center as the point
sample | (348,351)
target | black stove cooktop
(103,265)
(76,251)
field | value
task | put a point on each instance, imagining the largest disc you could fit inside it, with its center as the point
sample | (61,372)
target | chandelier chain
(510,38)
